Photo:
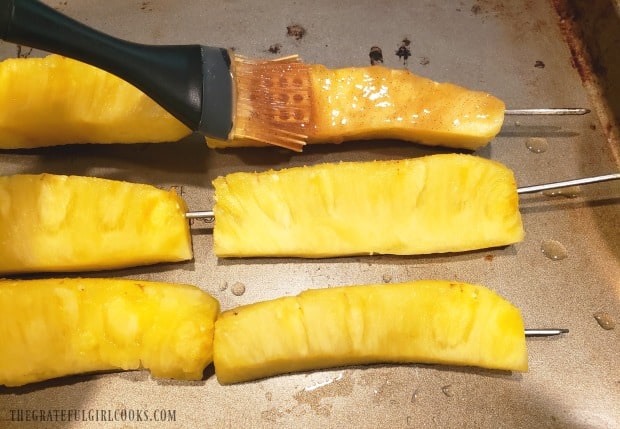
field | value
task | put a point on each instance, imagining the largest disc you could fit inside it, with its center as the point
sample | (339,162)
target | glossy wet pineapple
(361,103)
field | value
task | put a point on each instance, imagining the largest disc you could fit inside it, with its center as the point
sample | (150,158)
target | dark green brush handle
(192,82)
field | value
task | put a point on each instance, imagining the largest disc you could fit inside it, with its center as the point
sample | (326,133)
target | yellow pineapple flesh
(56,100)
(52,223)
(375,102)
(417,322)
(439,203)
(56,327)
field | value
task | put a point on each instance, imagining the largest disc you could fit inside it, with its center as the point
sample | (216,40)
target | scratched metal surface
(574,381)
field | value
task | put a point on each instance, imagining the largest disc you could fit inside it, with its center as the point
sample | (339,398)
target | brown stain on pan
(404,51)
(580,59)
(296,31)
(521,16)
(275,48)
(509,10)
(376,55)
(22,52)
(591,31)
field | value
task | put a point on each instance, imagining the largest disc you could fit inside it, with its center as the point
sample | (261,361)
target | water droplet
(537,144)
(447,390)
(605,320)
(414,396)
(325,383)
(223,286)
(553,250)
(238,289)
(567,192)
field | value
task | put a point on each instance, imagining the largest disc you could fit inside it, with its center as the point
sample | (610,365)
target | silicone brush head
(273,101)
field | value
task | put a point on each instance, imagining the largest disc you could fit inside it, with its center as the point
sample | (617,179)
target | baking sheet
(511,49)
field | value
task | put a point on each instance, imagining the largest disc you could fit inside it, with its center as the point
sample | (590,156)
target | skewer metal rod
(200,215)
(564,184)
(545,332)
(552,112)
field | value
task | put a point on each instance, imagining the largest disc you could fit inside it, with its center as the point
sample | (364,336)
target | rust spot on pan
(404,52)
(275,48)
(580,58)
(296,31)
(591,30)
(376,55)
(23,52)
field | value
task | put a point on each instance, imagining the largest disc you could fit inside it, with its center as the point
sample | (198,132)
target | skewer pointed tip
(547,332)
(560,111)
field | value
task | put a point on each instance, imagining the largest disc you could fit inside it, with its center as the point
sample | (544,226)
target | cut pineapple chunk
(425,322)
(56,100)
(56,327)
(72,223)
(380,103)
(439,203)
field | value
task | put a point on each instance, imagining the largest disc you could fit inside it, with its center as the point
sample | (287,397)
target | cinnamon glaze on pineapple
(379,103)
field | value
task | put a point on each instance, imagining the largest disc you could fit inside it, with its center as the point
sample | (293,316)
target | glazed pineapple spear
(234,101)
(440,203)
(66,101)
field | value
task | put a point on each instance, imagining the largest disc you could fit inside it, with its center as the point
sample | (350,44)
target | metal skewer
(545,332)
(551,112)
(564,184)
(200,215)
(524,190)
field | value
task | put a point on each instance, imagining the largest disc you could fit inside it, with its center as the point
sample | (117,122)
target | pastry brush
(207,88)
